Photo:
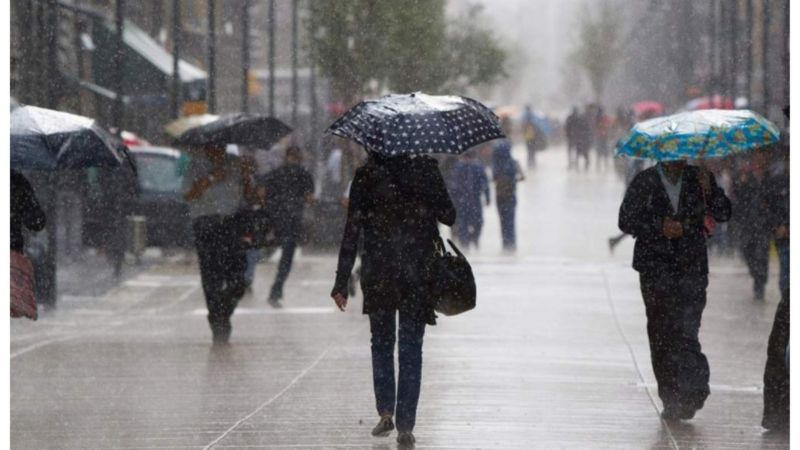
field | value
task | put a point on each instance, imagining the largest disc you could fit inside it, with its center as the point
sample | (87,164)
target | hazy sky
(541,32)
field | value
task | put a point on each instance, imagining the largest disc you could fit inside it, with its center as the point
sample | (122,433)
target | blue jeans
(404,405)
(253,257)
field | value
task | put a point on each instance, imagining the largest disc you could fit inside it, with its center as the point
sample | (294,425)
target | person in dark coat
(664,209)
(25,211)
(469,184)
(776,370)
(506,173)
(287,190)
(570,130)
(215,184)
(752,204)
(396,202)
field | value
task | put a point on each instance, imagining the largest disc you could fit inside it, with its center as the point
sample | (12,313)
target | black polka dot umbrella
(407,124)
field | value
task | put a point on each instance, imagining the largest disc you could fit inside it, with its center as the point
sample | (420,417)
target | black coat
(396,203)
(287,188)
(644,208)
(25,211)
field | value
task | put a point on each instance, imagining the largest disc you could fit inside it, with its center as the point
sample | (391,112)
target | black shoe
(758,292)
(274,298)
(384,426)
(221,331)
(671,414)
(406,438)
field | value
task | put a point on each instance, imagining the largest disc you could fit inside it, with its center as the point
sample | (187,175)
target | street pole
(295,95)
(176,57)
(119,65)
(766,79)
(271,56)
(732,47)
(245,56)
(48,68)
(749,65)
(27,65)
(785,40)
(712,48)
(212,63)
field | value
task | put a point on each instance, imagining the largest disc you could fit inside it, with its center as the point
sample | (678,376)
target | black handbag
(452,281)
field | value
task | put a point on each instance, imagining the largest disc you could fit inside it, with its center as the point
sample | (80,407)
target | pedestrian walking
(469,190)
(583,137)
(571,131)
(776,370)
(602,129)
(286,190)
(396,202)
(506,173)
(26,213)
(215,185)
(665,209)
(751,200)
(535,139)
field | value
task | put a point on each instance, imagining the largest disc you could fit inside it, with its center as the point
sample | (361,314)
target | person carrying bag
(25,212)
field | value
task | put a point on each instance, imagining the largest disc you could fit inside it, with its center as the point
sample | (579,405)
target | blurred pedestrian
(506,173)
(535,139)
(583,137)
(776,370)
(118,187)
(215,185)
(571,131)
(25,213)
(286,190)
(665,210)
(602,130)
(752,205)
(397,203)
(469,184)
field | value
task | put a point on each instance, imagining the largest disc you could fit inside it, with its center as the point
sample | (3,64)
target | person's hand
(782,232)
(341,301)
(672,229)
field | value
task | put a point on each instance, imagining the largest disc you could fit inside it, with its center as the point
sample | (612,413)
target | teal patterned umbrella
(711,133)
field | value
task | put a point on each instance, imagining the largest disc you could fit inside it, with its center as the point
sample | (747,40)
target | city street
(554,356)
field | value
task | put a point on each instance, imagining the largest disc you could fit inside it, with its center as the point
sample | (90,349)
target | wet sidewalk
(554,356)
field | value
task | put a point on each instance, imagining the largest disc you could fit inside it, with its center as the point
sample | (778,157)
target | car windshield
(158,173)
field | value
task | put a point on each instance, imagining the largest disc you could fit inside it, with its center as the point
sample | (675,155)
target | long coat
(645,206)
(396,203)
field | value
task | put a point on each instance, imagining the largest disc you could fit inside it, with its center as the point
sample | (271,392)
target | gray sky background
(540,33)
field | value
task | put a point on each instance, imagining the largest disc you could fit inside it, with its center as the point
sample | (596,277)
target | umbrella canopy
(239,128)
(181,125)
(650,107)
(44,139)
(698,135)
(404,124)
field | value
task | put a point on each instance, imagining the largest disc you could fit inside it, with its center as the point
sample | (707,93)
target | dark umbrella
(402,124)
(239,128)
(44,139)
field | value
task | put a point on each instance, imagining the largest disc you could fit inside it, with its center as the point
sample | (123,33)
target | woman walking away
(396,202)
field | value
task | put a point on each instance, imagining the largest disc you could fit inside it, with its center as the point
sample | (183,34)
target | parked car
(160,172)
